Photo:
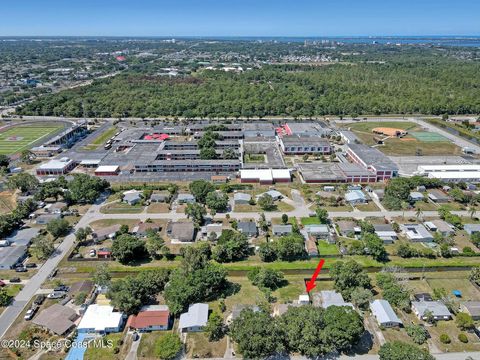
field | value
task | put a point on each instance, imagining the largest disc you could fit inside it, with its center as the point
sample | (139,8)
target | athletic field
(18,138)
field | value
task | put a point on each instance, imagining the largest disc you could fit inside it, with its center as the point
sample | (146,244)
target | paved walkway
(132,354)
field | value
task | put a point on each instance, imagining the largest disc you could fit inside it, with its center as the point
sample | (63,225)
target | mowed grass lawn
(406,146)
(18,138)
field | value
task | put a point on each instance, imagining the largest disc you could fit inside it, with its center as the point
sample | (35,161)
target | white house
(383,312)
(101,319)
(194,319)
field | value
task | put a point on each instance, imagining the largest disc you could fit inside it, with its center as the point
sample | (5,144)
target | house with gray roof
(471,228)
(238,308)
(58,319)
(355,197)
(160,197)
(181,231)
(332,298)
(276,195)
(386,233)
(11,256)
(106,232)
(384,314)
(472,308)
(132,197)
(241,198)
(416,196)
(348,228)
(23,236)
(194,319)
(440,226)
(45,219)
(185,199)
(438,310)
(249,228)
(438,196)
(318,232)
(280,230)
(416,232)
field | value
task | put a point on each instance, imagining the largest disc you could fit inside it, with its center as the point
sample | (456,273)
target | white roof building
(100,319)
(384,313)
(195,319)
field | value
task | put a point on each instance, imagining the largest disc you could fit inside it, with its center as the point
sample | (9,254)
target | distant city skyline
(263,18)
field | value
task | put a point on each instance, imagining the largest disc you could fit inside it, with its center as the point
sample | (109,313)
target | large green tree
(398,350)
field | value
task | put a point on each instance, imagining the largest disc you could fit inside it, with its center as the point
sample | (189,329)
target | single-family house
(348,228)
(108,232)
(438,310)
(101,319)
(185,199)
(421,188)
(144,227)
(194,319)
(386,233)
(23,236)
(241,198)
(416,196)
(238,308)
(249,228)
(56,208)
(280,230)
(332,298)
(47,218)
(58,319)
(440,226)
(355,197)
(416,233)
(181,231)
(276,195)
(438,196)
(472,308)
(212,229)
(318,232)
(150,318)
(384,314)
(132,197)
(471,228)
(12,255)
(160,197)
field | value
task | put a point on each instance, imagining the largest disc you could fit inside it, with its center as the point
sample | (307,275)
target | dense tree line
(363,88)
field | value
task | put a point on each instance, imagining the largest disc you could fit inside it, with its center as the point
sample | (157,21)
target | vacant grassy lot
(198,346)
(18,138)
(7,202)
(104,353)
(324,248)
(158,208)
(121,208)
(255,158)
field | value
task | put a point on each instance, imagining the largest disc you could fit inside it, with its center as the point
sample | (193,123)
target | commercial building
(216,166)
(315,173)
(297,145)
(45,151)
(56,167)
(265,176)
(107,170)
(384,314)
(373,160)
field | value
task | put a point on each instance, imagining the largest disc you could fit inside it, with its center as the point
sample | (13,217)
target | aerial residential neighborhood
(204,195)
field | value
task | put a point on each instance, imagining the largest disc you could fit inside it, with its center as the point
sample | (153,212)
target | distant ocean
(467,41)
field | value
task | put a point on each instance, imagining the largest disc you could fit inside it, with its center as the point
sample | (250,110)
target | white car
(56,295)
(30,313)
(93,253)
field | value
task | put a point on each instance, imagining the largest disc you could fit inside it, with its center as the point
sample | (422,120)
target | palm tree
(419,213)
(404,206)
(472,211)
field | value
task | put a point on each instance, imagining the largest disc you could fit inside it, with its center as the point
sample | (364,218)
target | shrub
(463,338)
(445,339)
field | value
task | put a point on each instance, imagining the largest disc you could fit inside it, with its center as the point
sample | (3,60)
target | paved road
(31,288)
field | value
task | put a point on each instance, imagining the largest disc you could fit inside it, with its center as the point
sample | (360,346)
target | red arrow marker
(311,284)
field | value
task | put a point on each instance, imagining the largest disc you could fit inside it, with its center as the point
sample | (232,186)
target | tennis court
(18,138)
(426,136)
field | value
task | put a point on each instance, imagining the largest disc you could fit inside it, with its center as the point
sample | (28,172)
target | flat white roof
(90,162)
(265,174)
(56,164)
(107,168)
(100,317)
(455,175)
(455,167)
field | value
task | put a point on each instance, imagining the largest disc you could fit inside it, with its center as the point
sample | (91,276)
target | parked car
(52,274)
(21,269)
(2,284)
(56,295)
(61,288)
(15,280)
(39,299)
(31,265)
(30,313)
(93,253)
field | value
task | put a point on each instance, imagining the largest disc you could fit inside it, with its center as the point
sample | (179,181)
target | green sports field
(18,138)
